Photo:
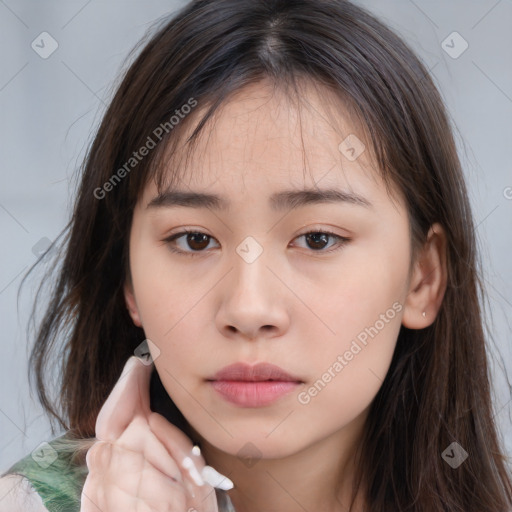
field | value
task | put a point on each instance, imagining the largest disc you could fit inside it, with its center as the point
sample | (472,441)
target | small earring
(424,314)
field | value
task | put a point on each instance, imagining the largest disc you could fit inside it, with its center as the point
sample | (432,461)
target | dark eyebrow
(285,200)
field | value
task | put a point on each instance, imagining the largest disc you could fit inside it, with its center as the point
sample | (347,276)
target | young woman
(270,271)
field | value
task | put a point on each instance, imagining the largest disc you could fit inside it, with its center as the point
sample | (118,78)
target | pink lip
(253,386)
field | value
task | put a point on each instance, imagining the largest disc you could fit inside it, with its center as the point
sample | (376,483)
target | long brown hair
(437,390)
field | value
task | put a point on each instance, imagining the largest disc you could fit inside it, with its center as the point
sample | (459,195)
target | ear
(428,281)
(129,298)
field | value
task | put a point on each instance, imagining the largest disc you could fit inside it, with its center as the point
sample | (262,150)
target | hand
(140,460)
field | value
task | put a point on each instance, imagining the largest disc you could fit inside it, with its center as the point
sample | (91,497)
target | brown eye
(194,243)
(197,241)
(189,243)
(319,240)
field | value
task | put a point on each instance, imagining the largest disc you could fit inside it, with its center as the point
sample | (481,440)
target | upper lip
(254,373)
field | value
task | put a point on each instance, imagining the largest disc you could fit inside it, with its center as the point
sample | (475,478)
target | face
(315,286)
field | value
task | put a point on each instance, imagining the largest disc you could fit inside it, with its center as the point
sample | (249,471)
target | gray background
(50,107)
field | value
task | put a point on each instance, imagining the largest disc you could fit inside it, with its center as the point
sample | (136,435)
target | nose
(253,303)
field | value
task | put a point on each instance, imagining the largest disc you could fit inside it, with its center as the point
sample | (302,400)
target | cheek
(360,314)
(166,296)
(344,301)
(173,311)
(347,376)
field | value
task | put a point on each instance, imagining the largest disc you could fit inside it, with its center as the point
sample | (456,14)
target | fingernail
(196,450)
(189,465)
(215,479)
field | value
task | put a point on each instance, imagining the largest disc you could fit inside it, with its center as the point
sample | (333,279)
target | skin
(137,462)
(294,306)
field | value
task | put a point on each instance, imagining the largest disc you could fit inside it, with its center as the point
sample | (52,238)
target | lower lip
(253,394)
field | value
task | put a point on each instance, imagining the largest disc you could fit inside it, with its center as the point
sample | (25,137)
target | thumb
(128,398)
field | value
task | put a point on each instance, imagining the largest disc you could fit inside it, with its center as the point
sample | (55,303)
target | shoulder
(52,475)
(18,495)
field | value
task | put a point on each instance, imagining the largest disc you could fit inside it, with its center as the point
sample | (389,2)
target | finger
(173,439)
(89,502)
(201,494)
(158,491)
(138,437)
(97,460)
(127,482)
(180,448)
(98,456)
(128,398)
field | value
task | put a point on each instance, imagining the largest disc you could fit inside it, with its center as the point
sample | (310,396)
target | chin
(251,446)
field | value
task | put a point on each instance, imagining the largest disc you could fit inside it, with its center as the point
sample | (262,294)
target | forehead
(263,137)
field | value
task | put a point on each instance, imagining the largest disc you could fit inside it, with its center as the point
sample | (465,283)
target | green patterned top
(57,471)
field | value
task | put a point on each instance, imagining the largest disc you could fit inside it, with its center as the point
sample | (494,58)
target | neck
(318,477)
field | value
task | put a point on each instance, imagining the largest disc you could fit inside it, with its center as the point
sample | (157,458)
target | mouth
(253,386)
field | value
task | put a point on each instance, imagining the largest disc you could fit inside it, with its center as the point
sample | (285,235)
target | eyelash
(342,241)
